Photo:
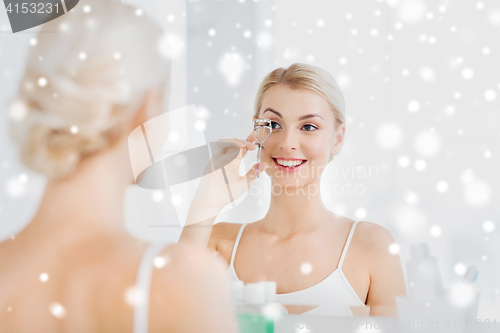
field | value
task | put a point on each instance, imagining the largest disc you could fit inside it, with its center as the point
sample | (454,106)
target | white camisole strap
(235,246)
(341,261)
(346,246)
(143,285)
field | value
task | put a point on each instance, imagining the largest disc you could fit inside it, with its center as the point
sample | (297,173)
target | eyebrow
(307,116)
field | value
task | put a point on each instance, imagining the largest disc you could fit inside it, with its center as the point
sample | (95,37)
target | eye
(310,126)
(307,125)
(273,122)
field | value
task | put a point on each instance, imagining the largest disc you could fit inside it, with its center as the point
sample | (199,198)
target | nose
(289,140)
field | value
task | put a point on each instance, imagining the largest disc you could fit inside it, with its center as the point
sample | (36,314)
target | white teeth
(289,163)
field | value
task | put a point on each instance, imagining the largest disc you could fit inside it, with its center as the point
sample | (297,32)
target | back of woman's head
(307,77)
(86,75)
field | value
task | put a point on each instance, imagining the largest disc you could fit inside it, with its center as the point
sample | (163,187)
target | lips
(286,168)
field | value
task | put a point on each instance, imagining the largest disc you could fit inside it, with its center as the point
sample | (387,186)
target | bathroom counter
(319,324)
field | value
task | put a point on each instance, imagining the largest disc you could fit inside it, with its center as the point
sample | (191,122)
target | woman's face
(303,130)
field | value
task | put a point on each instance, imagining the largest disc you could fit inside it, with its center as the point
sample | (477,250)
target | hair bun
(51,149)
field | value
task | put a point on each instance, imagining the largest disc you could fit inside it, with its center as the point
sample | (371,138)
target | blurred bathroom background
(421,85)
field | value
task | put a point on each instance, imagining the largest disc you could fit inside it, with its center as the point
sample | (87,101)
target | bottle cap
(237,289)
(470,275)
(420,250)
(270,287)
(255,293)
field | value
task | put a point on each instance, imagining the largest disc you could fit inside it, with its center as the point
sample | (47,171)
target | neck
(90,201)
(295,210)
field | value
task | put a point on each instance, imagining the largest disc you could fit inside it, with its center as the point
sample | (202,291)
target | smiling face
(303,130)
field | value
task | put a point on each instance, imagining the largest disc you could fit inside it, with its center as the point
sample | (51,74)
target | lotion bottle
(424,280)
(251,316)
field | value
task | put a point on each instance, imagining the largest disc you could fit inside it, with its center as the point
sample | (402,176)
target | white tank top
(334,294)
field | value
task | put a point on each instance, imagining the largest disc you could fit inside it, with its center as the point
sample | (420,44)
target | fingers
(223,147)
(241,142)
(226,152)
(251,174)
(251,139)
(248,144)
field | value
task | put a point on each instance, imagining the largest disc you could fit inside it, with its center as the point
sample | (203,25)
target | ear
(151,106)
(140,116)
(339,141)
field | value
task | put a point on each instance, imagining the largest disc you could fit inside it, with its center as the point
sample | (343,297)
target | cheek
(316,149)
(270,144)
(312,148)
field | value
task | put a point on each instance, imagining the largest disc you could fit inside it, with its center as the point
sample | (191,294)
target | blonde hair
(307,77)
(88,72)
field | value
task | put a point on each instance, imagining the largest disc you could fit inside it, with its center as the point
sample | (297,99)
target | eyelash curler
(264,129)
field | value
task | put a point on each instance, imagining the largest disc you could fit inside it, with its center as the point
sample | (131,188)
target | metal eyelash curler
(264,129)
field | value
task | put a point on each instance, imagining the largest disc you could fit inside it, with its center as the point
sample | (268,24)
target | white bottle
(424,280)
(272,307)
(251,316)
(237,291)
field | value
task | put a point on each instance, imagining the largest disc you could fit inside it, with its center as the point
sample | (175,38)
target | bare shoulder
(180,288)
(373,234)
(384,265)
(376,241)
(223,237)
(369,241)
(222,232)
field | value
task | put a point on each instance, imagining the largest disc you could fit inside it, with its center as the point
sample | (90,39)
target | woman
(300,244)
(93,76)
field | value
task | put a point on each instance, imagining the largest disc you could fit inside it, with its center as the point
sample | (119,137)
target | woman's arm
(199,232)
(387,278)
(219,186)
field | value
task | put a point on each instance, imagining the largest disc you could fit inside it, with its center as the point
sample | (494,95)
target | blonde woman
(94,75)
(319,259)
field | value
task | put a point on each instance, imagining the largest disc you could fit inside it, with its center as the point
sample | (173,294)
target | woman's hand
(222,183)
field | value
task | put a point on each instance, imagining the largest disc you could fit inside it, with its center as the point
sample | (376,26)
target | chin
(290,181)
